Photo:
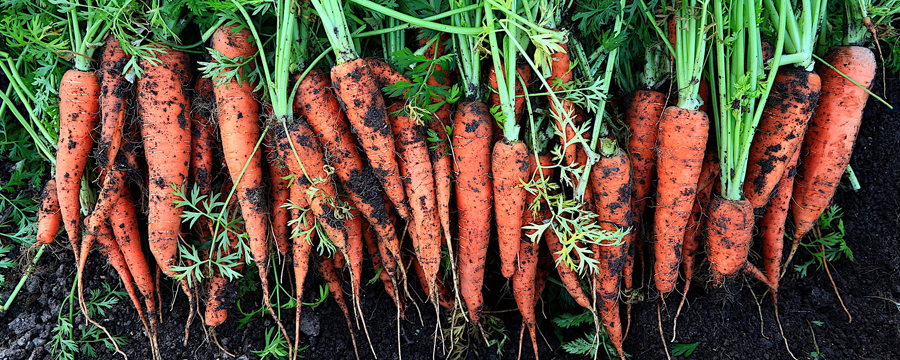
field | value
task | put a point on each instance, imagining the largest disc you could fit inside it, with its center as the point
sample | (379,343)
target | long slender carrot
(509,167)
(612,181)
(114,93)
(278,178)
(354,255)
(124,222)
(203,137)
(301,247)
(523,280)
(472,136)
(79,109)
(682,142)
(218,302)
(49,216)
(831,135)
(772,224)
(356,87)
(780,131)
(316,101)
(443,295)
(109,247)
(326,267)
(415,168)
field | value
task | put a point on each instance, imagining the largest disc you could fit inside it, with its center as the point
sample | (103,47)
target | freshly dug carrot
(772,224)
(354,254)
(523,279)
(780,132)
(444,297)
(415,169)
(472,136)
(611,178)
(279,176)
(326,267)
(316,101)
(238,115)
(378,264)
(79,113)
(358,90)
(114,93)
(301,247)
(509,167)
(682,142)
(167,144)
(49,216)
(124,222)
(728,237)
(831,135)
(109,247)
(642,117)
(561,74)
(203,135)
(216,305)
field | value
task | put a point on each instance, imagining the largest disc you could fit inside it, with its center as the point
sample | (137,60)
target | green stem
(854,182)
(28,271)
(405,26)
(412,20)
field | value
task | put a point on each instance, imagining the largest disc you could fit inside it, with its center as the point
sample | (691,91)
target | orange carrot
(378,265)
(114,94)
(124,222)
(474,199)
(415,168)
(356,87)
(79,109)
(780,131)
(109,247)
(728,237)
(279,176)
(203,135)
(326,267)
(832,132)
(642,116)
(524,73)
(682,142)
(772,224)
(316,101)
(561,74)
(523,279)
(302,246)
(509,167)
(354,254)
(49,217)
(444,297)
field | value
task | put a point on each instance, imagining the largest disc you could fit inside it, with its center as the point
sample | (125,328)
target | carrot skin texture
(729,232)
(238,114)
(358,91)
(415,169)
(780,131)
(691,243)
(523,280)
(280,195)
(561,74)
(831,135)
(111,249)
(509,167)
(772,223)
(123,219)
(611,178)
(49,216)
(682,142)
(472,138)
(167,143)
(203,135)
(79,113)
(642,117)
(113,100)
(317,102)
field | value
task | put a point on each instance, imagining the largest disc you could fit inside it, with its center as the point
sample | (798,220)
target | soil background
(736,322)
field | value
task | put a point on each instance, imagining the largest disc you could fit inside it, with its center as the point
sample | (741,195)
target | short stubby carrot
(611,178)
(79,114)
(831,135)
(357,88)
(114,94)
(509,167)
(165,112)
(682,142)
(729,232)
(49,216)
(415,169)
(472,138)
(317,102)
(780,132)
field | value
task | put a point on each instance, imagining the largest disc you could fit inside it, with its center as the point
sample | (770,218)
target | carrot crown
(504,62)
(741,85)
(801,33)
(691,28)
(468,47)
(87,24)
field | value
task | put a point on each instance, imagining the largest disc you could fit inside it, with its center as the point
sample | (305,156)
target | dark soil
(736,322)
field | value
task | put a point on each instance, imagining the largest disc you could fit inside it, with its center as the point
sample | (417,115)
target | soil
(735,322)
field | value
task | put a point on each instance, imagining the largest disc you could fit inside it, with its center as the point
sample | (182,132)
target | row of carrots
(357,168)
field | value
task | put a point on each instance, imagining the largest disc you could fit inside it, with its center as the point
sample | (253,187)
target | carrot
(509,167)
(354,254)
(611,179)
(444,297)
(279,177)
(49,216)
(474,199)
(378,264)
(218,302)
(238,114)
(114,93)
(772,224)
(203,135)
(781,129)
(831,135)
(79,110)
(728,236)
(317,102)
(302,246)
(124,222)
(691,243)
(682,142)
(523,279)
(642,117)
(326,267)
(561,74)
(357,88)
(109,247)
(167,147)
(415,168)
